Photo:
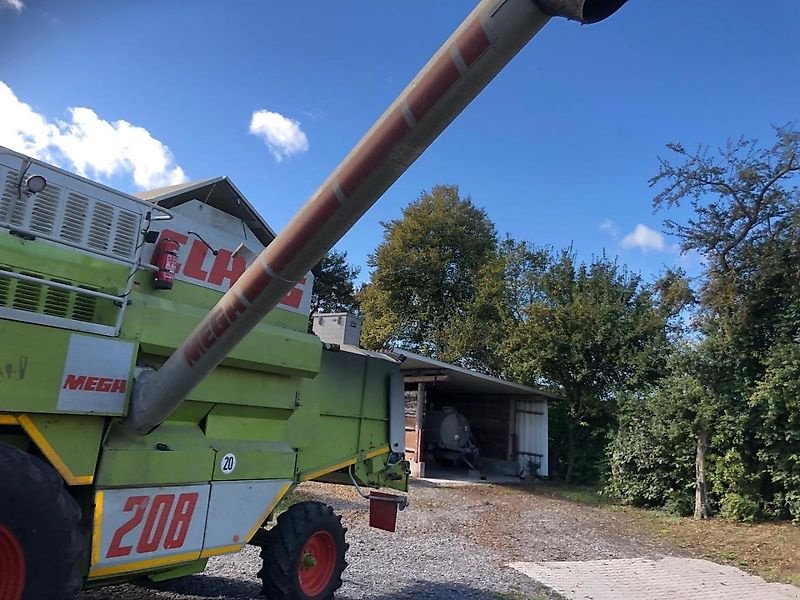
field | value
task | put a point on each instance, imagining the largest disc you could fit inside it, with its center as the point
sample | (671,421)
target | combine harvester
(159,392)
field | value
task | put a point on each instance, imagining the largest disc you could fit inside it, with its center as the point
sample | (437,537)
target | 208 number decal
(160,514)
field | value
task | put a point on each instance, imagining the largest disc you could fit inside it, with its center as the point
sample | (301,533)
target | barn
(508,421)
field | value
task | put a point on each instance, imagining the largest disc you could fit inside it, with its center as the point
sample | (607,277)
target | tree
(740,198)
(426,272)
(777,399)
(658,453)
(590,330)
(334,289)
(746,223)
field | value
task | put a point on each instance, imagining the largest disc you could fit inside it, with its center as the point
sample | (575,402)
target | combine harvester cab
(160,393)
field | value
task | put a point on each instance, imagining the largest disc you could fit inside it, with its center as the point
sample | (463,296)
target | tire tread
(38,486)
(284,542)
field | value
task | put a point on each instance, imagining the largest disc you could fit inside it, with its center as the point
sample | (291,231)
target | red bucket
(383,510)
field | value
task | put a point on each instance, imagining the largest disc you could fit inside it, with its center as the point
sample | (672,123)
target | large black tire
(304,554)
(39,518)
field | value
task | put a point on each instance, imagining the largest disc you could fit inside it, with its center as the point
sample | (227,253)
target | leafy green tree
(746,223)
(334,289)
(658,453)
(426,272)
(742,197)
(589,330)
(777,400)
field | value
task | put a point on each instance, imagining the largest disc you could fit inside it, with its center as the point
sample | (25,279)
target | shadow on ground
(225,588)
(437,591)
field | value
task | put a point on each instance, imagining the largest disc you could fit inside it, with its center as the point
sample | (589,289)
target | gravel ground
(453,542)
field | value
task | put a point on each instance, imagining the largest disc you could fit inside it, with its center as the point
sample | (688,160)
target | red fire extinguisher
(165,258)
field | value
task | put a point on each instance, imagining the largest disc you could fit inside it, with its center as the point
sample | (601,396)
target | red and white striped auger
(479,49)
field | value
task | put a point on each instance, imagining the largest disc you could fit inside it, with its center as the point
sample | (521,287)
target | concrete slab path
(668,578)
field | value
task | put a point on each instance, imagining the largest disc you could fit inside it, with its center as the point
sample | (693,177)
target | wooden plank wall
(414,438)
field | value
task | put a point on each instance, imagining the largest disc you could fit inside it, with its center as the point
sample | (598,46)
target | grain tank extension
(159,392)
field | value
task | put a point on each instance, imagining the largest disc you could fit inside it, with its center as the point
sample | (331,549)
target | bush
(651,457)
(737,507)
(793,505)
(680,502)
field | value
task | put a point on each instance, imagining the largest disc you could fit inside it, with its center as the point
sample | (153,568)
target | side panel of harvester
(81,315)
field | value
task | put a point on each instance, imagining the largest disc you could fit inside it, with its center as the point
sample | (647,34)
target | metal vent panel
(100,226)
(45,209)
(5,284)
(74,218)
(127,232)
(40,298)
(26,296)
(57,302)
(74,221)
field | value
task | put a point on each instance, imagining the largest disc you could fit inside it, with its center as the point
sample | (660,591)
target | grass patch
(582,494)
(769,550)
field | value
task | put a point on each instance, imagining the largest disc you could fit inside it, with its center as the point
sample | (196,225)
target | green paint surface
(173,454)
(75,438)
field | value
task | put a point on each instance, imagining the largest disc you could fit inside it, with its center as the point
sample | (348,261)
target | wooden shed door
(415,410)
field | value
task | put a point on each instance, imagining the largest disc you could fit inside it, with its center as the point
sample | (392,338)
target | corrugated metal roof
(459,379)
(361,351)
(219,192)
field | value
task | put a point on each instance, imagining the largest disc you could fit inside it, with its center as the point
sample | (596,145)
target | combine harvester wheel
(304,554)
(40,539)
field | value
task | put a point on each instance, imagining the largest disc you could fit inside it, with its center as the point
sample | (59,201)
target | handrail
(62,286)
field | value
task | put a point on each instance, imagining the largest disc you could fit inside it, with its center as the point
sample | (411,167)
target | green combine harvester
(159,392)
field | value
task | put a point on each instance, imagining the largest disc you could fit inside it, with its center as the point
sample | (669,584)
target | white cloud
(644,238)
(17,5)
(22,128)
(611,227)
(103,148)
(282,135)
(88,144)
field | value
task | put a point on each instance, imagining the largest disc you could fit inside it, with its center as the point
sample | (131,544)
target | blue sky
(558,149)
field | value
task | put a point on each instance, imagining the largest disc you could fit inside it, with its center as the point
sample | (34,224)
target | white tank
(454,431)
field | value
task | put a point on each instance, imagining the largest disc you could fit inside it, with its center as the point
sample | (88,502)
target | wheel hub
(316,565)
(12,559)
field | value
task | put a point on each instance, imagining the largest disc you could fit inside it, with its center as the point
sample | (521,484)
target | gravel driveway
(453,542)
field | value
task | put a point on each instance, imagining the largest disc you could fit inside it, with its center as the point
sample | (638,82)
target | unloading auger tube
(479,49)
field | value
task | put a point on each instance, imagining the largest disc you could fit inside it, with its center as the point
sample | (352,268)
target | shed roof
(459,379)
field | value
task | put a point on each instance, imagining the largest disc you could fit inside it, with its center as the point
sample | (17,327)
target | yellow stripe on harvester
(98,522)
(8,420)
(341,465)
(60,466)
(326,470)
(266,513)
(220,550)
(143,564)
(378,452)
